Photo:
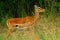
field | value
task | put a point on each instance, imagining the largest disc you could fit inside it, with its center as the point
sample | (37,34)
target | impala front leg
(34,36)
(9,31)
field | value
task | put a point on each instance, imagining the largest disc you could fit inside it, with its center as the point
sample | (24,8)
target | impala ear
(35,6)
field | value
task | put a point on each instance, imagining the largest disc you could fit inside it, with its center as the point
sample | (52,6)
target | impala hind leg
(34,36)
(9,31)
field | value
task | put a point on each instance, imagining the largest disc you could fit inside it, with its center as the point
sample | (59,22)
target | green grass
(45,28)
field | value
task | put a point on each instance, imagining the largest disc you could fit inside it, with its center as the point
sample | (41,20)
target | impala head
(38,9)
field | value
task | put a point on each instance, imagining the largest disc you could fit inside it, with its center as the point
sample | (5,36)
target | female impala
(25,22)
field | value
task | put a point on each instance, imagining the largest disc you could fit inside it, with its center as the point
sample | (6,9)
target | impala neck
(36,16)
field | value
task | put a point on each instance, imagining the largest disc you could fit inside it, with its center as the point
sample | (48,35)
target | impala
(23,23)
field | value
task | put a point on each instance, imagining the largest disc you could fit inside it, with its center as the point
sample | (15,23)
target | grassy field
(45,29)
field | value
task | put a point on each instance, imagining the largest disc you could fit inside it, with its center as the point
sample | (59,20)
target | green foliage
(22,8)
